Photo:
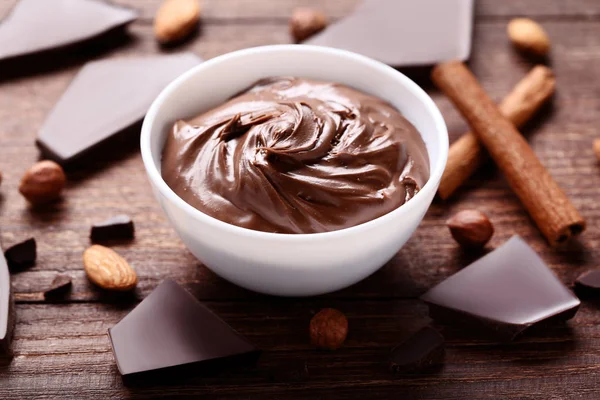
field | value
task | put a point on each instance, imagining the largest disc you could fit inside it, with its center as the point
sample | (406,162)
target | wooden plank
(64,351)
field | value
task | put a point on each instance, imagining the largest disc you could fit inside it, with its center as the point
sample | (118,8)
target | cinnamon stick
(549,207)
(466,154)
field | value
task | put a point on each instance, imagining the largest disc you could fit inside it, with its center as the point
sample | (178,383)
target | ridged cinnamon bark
(466,154)
(545,201)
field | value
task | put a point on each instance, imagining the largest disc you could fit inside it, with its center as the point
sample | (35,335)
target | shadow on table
(64,57)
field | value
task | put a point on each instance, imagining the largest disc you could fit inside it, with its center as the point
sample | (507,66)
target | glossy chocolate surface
(505,292)
(404,33)
(106,97)
(34,26)
(170,328)
(7,311)
(292,155)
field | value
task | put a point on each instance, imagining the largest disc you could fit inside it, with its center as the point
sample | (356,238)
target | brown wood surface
(61,348)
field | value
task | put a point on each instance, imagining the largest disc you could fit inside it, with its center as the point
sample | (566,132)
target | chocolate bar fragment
(7,310)
(420,351)
(171,329)
(404,33)
(60,285)
(35,26)
(505,292)
(21,255)
(587,285)
(105,98)
(116,228)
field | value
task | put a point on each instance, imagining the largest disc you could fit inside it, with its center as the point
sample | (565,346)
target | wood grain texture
(62,349)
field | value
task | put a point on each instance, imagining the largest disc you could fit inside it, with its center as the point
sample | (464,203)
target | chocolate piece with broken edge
(105,98)
(115,228)
(7,310)
(170,329)
(504,293)
(60,285)
(420,351)
(37,26)
(392,31)
(587,285)
(21,255)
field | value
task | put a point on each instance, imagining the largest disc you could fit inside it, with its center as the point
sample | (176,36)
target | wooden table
(62,350)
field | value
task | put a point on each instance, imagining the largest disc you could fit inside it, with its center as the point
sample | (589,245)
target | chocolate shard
(105,98)
(505,292)
(60,285)
(399,33)
(115,228)
(35,26)
(587,285)
(420,351)
(21,255)
(7,310)
(170,329)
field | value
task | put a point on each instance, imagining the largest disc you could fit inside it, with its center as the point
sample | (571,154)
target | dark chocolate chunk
(399,33)
(170,328)
(119,227)
(588,284)
(420,351)
(60,285)
(7,310)
(505,292)
(21,255)
(105,98)
(35,26)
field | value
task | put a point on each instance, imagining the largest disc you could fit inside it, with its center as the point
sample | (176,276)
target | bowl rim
(159,183)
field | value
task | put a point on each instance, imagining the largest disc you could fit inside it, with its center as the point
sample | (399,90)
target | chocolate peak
(506,292)
(34,26)
(170,328)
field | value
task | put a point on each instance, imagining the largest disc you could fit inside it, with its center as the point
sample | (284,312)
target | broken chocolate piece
(60,285)
(35,26)
(588,284)
(21,255)
(7,310)
(399,33)
(170,328)
(118,227)
(420,351)
(105,98)
(504,292)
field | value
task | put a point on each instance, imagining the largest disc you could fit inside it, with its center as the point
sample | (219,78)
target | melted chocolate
(292,155)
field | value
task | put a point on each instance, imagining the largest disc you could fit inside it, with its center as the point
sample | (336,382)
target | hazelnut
(596,146)
(529,36)
(328,329)
(471,228)
(176,19)
(43,182)
(305,22)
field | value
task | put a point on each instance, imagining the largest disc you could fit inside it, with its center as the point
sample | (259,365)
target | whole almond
(43,182)
(305,22)
(328,329)
(107,269)
(596,146)
(176,19)
(529,36)
(471,228)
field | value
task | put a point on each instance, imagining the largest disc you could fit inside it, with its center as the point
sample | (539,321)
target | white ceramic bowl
(287,264)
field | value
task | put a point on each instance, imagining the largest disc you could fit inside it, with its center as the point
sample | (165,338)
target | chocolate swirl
(292,155)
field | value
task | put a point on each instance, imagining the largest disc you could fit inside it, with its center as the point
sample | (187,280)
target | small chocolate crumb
(588,284)
(420,351)
(60,285)
(115,228)
(21,255)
